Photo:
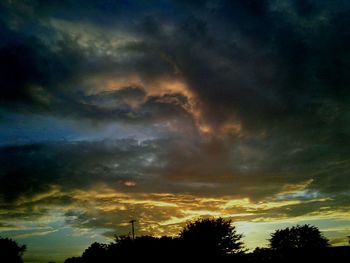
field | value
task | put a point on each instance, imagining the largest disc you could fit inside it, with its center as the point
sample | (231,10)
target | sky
(166,111)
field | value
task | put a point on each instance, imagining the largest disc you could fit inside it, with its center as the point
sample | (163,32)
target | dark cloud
(34,78)
(69,164)
(277,68)
(258,62)
(214,168)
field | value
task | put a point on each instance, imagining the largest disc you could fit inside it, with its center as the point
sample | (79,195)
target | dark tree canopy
(298,237)
(95,252)
(212,236)
(10,251)
(216,240)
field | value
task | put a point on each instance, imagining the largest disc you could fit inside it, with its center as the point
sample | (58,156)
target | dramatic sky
(164,111)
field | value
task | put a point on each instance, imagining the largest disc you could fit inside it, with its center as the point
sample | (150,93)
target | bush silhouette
(10,251)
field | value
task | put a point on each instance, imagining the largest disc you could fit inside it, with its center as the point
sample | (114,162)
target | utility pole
(133,228)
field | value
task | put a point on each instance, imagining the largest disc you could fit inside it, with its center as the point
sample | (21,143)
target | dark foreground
(166,250)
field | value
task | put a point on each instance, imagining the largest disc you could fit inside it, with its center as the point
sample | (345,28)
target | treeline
(216,240)
(208,240)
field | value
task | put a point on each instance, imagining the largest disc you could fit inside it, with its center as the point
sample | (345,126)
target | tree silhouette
(211,237)
(298,237)
(298,243)
(95,253)
(10,251)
